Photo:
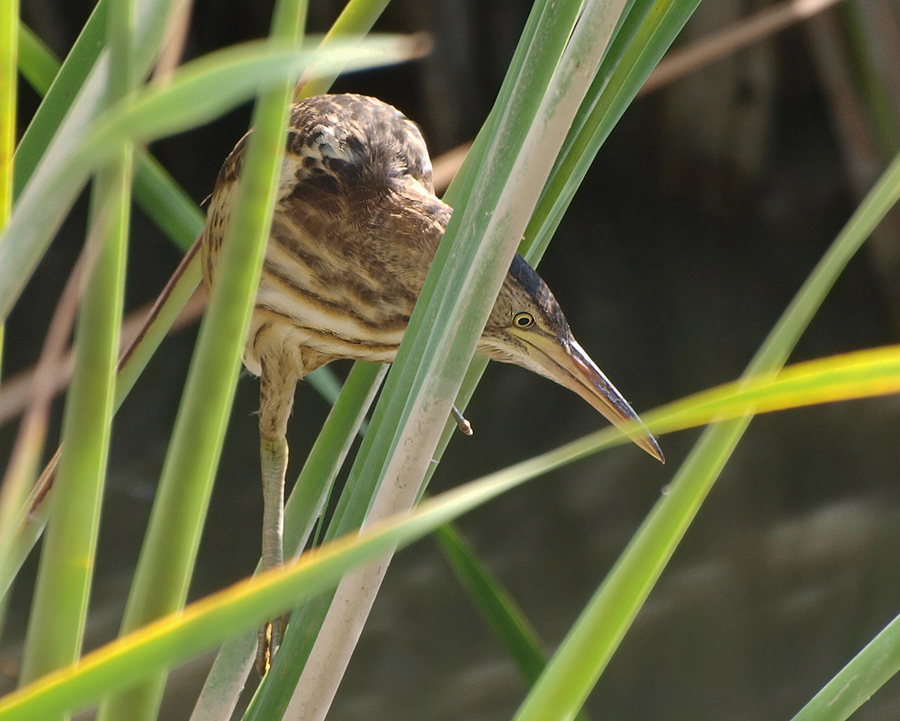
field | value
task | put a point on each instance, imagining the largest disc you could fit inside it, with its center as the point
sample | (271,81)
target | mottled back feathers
(355,229)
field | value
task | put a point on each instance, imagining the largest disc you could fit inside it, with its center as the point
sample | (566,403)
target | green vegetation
(543,107)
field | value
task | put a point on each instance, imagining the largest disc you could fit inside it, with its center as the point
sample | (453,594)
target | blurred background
(704,212)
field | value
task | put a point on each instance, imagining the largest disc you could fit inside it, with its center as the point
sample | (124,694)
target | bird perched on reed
(355,229)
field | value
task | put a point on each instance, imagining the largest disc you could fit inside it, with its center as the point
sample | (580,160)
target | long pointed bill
(574,369)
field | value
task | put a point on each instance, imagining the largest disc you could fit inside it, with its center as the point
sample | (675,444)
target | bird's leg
(273,455)
(276,399)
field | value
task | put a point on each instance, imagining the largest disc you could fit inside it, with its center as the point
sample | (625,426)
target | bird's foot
(461,421)
(270,637)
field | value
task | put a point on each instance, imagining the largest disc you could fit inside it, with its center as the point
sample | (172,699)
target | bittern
(355,229)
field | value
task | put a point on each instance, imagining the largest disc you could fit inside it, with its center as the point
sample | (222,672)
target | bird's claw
(461,421)
(270,637)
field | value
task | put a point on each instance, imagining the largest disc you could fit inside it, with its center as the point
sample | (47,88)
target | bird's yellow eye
(523,319)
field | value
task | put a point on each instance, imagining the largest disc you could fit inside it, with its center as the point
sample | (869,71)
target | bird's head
(527,327)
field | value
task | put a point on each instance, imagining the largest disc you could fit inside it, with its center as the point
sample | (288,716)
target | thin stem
(170,547)
(59,612)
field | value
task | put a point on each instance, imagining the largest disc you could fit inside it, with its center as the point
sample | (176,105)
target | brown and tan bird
(355,229)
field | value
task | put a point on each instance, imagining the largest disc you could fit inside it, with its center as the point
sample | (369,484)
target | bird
(356,226)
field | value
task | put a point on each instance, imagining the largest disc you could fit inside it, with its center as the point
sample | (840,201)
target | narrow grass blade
(329,453)
(58,614)
(226,679)
(869,670)
(59,93)
(861,374)
(13,481)
(496,605)
(36,63)
(873,45)
(59,611)
(9,24)
(355,21)
(170,547)
(781,341)
(540,47)
(326,383)
(537,236)
(9,27)
(507,621)
(173,298)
